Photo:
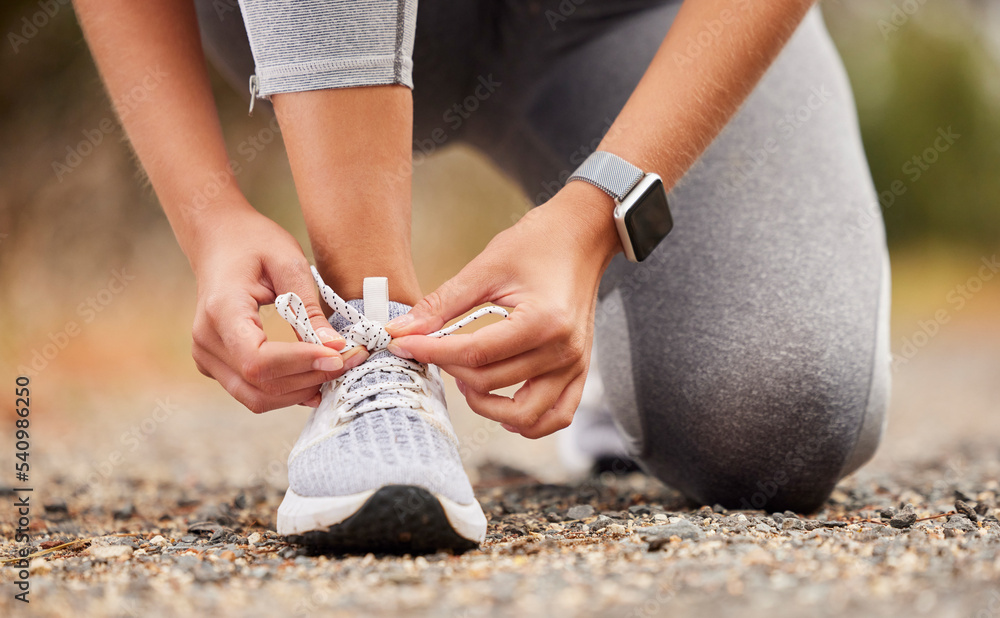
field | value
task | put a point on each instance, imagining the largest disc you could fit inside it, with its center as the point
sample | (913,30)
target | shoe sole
(393,519)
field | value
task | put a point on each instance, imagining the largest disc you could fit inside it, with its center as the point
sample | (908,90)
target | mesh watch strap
(609,173)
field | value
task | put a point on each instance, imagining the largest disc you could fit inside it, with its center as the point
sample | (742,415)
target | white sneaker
(377,466)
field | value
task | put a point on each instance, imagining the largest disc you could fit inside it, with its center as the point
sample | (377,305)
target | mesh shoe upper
(338,456)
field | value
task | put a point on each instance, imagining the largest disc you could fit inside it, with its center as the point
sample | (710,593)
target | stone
(580,511)
(958,522)
(682,529)
(963,507)
(109,552)
(125,512)
(903,519)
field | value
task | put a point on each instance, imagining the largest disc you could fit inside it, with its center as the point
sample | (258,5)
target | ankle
(348,280)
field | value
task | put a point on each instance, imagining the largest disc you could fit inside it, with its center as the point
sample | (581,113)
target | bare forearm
(683,102)
(171,120)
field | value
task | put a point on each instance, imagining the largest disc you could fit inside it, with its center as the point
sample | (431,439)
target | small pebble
(957,522)
(255,538)
(682,529)
(904,519)
(109,552)
(580,511)
(56,506)
(126,512)
(963,507)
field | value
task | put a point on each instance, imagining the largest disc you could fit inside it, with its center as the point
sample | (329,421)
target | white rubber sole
(301,514)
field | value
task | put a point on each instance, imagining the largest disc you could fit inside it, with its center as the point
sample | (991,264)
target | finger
(561,414)
(275,360)
(297,278)
(468,288)
(314,402)
(528,405)
(297,382)
(524,330)
(240,343)
(258,360)
(513,370)
(255,399)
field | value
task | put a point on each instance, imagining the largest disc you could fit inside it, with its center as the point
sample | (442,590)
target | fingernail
(352,352)
(509,428)
(461,386)
(312,403)
(328,363)
(399,322)
(354,357)
(328,335)
(398,351)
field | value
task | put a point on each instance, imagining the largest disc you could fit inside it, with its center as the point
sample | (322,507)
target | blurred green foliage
(934,70)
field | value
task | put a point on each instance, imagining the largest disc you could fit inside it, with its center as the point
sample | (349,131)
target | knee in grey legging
(747,359)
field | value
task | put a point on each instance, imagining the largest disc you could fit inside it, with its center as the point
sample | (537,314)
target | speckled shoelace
(399,391)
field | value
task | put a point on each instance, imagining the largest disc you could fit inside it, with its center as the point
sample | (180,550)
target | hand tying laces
(403,379)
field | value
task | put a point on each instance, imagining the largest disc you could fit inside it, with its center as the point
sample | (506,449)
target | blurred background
(96,299)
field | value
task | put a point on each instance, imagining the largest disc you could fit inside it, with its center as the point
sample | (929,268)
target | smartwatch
(641,213)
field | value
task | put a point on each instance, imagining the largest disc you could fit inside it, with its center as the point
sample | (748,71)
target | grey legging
(747,360)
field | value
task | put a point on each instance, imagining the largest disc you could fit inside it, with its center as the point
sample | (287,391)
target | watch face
(648,221)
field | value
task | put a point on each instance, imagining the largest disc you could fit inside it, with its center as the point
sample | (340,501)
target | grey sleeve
(315,44)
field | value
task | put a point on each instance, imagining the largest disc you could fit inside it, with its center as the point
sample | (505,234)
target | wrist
(589,214)
(199,231)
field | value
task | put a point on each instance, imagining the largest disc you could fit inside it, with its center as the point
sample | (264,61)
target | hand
(244,260)
(547,267)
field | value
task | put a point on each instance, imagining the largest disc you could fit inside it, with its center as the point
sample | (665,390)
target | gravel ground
(608,546)
(169,503)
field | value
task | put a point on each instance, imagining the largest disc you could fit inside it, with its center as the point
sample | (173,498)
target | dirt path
(171,499)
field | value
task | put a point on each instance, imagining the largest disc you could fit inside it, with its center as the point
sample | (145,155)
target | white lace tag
(377,299)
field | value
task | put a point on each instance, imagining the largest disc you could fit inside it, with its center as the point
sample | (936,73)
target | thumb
(453,298)
(300,281)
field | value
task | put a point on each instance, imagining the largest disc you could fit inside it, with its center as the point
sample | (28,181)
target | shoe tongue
(342,324)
